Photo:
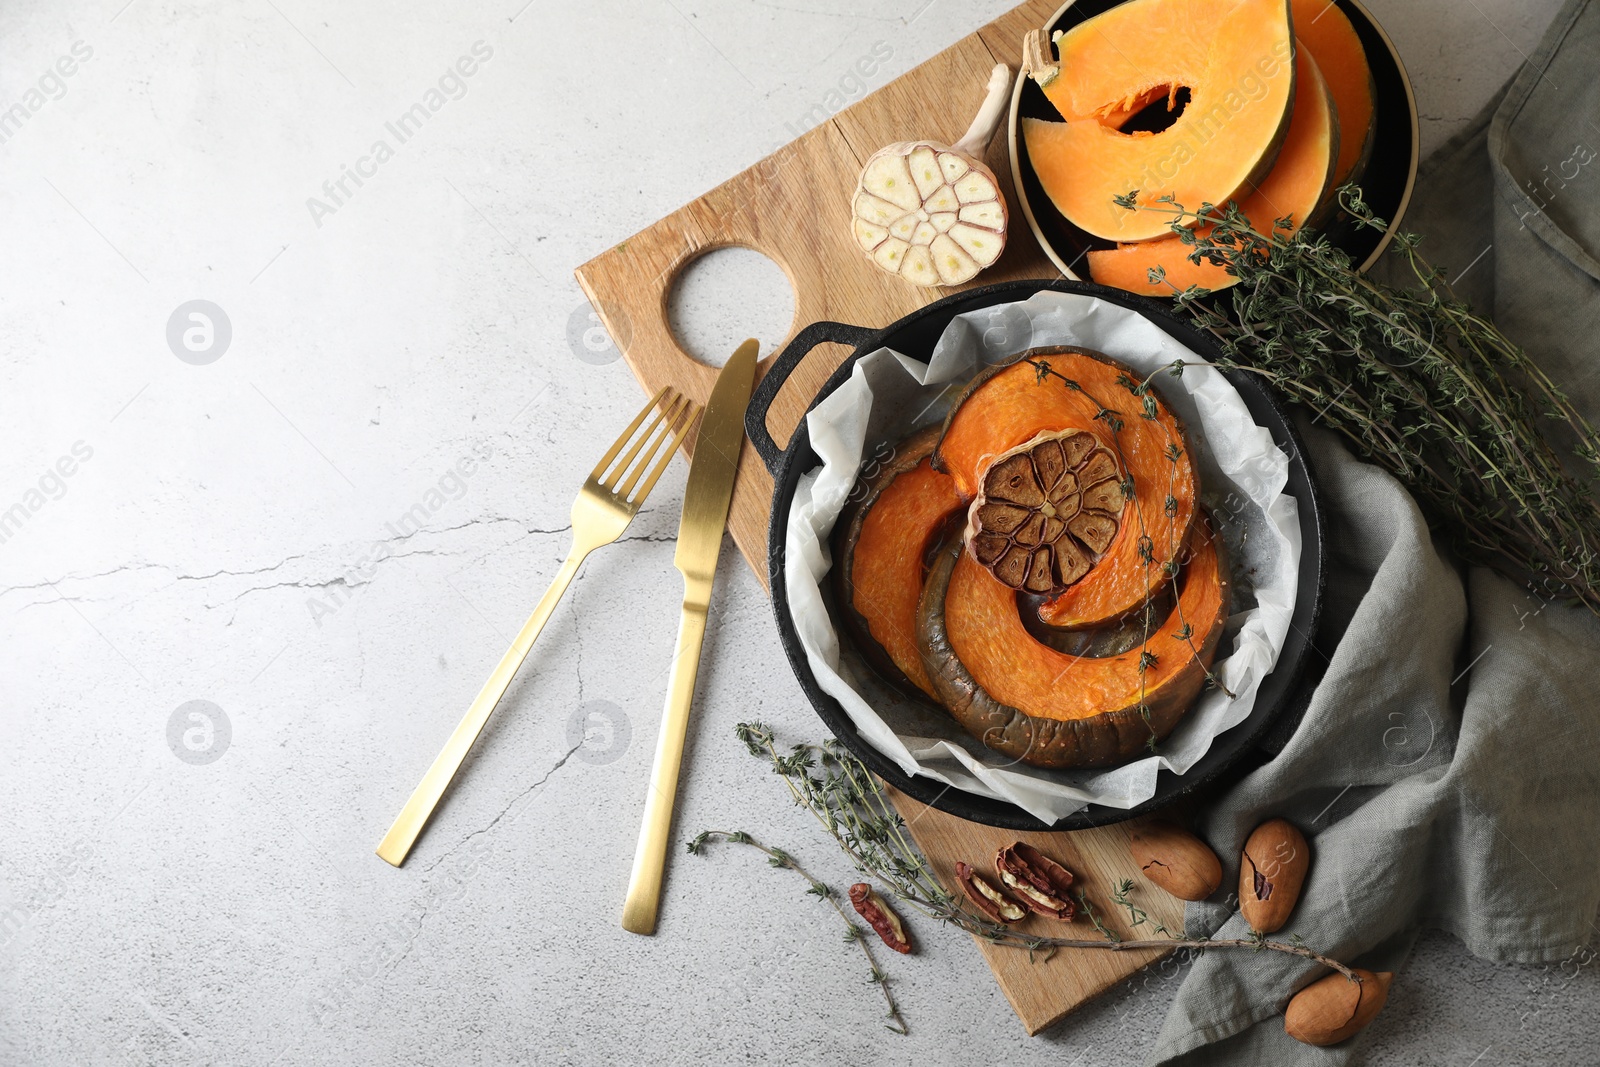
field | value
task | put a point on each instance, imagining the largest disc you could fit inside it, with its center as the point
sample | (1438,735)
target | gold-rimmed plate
(1386,183)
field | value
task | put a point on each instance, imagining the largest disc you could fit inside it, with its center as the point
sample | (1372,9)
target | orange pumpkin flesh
(1051,709)
(1011,406)
(883,559)
(1234,56)
(1297,184)
(1325,31)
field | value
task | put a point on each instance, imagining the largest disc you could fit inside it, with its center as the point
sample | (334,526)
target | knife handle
(650,857)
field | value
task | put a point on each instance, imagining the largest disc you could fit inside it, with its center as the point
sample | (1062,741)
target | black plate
(1386,183)
(915,336)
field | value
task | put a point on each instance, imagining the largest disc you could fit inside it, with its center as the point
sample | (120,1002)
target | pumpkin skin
(1080,711)
(1322,29)
(1009,406)
(881,547)
(1235,57)
(1296,188)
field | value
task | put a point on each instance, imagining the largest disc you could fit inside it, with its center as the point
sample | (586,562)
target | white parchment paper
(1242,475)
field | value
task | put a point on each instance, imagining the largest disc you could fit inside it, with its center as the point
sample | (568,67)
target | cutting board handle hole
(724,295)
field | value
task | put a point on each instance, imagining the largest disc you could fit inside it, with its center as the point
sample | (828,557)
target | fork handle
(414,816)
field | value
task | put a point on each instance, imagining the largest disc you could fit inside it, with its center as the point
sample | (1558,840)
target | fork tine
(648,441)
(664,411)
(622,438)
(668,426)
(689,415)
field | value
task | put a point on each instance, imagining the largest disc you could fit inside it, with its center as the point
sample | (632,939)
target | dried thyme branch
(777,857)
(1502,463)
(850,803)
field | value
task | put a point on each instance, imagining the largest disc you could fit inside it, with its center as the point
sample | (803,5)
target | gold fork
(606,504)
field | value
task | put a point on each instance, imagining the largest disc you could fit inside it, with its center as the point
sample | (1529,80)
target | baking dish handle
(755,416)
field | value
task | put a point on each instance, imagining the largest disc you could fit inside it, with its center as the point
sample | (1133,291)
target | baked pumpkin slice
(1047,449)
(882,544)
(1050,709)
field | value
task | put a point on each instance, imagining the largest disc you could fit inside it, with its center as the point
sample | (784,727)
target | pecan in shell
(1271,872)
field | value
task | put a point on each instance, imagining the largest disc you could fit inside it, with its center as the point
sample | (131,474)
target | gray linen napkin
(1447,770)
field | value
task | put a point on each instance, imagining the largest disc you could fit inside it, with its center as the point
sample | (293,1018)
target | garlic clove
(943,199)
(918,267)
(876,210)
(889,177)
(953,264)
(943,221)
(982,245)
(869,235)
(890,255)
(904,227)
(925,234)
(974,188)
(989,215)
(924,163)
(952,165)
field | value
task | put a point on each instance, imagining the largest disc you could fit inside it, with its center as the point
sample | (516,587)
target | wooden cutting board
(774,208)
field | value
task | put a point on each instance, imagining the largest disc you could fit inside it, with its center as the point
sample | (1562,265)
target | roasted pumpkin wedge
(1050,709)
(1026,408)
(1325,31)
(1298,185)
(881,553)
(1236,59)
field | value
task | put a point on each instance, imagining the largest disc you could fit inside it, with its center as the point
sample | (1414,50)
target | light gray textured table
(285,533)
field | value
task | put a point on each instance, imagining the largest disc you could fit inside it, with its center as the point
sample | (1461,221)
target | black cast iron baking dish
(915,336)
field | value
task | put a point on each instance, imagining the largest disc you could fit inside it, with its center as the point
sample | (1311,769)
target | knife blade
(706,498)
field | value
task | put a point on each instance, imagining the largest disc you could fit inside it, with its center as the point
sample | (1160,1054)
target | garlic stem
(1033,60)
(987,121)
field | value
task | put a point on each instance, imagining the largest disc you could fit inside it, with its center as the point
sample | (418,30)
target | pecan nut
(1176,860)
(1271,872)
(1042,884)
(1333,1008)
(880,917)
(986,898)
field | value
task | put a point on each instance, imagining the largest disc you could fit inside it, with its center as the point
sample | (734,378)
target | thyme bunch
(851,804)
(1417,382)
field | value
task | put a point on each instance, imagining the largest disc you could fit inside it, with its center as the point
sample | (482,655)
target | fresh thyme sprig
(1137,916)
(1501,461)
(1112,417)
(777,857)
(851,805)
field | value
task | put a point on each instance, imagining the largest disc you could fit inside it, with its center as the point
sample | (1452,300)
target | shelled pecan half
(1037,880)
(880,917)
(986,898)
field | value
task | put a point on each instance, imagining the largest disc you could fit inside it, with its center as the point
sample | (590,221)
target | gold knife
(705,514)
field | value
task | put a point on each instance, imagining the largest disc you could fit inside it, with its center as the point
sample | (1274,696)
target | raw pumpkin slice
(881,550)
(1325,31)
(1236,59)
(1014,405)
(1297,185)
(1051,709)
